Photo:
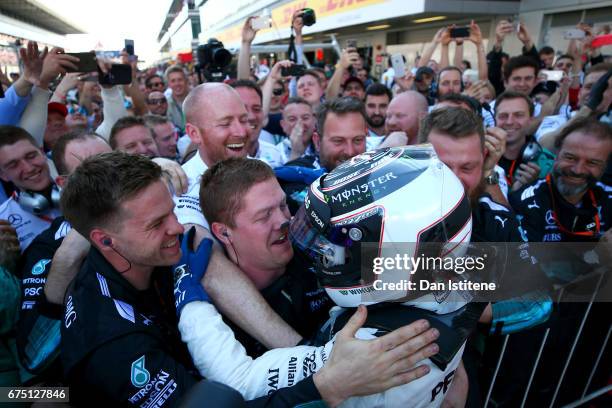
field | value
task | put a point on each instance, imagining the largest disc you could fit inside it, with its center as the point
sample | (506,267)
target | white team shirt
(187,209)
(27,225)
(218,356)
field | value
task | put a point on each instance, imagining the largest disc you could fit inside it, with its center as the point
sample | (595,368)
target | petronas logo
(140,375)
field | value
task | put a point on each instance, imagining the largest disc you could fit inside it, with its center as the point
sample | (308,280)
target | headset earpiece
(107,242)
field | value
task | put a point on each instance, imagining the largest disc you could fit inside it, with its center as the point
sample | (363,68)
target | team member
(137,356)
(570,204)
(390,186)
(471,153)
(41,306)
(341,135)
(250,217)
(35,203)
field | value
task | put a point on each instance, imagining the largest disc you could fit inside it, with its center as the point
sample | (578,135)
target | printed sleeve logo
(140,376)
(39,267)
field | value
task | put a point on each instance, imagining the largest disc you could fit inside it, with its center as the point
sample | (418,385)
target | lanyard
(510,171)
(561,227)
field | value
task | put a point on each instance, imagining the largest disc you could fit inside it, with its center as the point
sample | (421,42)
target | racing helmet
(381,204)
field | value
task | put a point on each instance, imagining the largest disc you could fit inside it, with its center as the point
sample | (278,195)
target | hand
(9,246)
(175,176)
(442,36)
(556,100)
(524,36)
(125,59)
(475,34)
(68,82)
(527,173)
(596,96)
(477,90)
(189,270)
(395,139)
(275,72)
(371,366)
(56,63)
(248,32)
(502,29)
(406,82)
(105,66)
(604,248)
(495,144)
(32,62)
(297,140)
(349,57)
(456,397)
(297,22)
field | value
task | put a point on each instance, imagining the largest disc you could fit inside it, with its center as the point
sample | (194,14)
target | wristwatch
(492,179)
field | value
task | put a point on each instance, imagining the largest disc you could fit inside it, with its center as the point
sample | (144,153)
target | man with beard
(570,204)
(157,103)
(342,131)
(471,153)
(404,113)
(377,99)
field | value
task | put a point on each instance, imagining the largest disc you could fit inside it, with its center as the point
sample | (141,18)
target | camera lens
(221,57)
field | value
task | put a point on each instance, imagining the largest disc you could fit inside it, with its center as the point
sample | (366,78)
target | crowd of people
(168,242)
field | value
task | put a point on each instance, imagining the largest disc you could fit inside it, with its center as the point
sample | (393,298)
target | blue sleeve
(12,106)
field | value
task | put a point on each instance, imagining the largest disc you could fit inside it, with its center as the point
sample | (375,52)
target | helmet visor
(309,239)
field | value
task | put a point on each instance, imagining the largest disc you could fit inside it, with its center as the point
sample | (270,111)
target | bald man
(404,114)
(216,121)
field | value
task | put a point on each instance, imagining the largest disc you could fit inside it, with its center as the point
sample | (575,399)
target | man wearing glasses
(154,83)
(157,103)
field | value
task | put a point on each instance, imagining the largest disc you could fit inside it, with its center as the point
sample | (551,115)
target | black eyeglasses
(278,91)
(156,84)
(159,101)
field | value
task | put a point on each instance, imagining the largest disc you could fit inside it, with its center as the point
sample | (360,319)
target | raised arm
(244,55)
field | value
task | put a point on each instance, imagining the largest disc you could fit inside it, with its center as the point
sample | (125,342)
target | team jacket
(534,207)
(121,346)
(38,330)
(297,298)
(493,222)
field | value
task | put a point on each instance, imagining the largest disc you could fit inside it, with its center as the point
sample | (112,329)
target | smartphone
(129,47)
(351,43)
(553,75)
(119,74)
(460,32)
(261,22)
(294,70)
(574,34)
(87,62)
(399,67)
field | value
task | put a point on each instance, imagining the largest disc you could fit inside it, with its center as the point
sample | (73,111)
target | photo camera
(308,16)
(213,59)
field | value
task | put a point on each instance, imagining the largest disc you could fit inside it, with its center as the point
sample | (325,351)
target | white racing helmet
(381,204)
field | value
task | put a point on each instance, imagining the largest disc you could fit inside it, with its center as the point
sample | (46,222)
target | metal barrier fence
(587,394)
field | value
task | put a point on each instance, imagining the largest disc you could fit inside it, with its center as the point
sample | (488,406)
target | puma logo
(534,205)
(501,220)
